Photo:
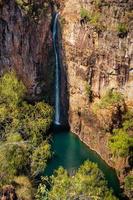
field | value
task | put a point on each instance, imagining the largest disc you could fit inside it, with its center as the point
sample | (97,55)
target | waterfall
(57,85)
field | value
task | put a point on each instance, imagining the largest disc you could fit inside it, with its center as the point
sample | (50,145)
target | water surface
(70,153)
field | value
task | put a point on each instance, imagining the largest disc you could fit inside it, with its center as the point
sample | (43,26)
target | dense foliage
(24,148)
(129,186)
(121,142)
(87,183)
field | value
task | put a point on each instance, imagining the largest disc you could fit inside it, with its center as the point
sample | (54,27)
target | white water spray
(57,89)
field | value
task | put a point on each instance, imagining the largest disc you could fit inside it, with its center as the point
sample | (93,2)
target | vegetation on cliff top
(24,148)
(87,183)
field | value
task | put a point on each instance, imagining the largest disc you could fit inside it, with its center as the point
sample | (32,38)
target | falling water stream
(69,151)
(57,88)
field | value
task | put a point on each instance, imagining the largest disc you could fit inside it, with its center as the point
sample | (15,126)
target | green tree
(23,128)
(14,158)
(128,185)
(87,183)
(120,143)
(12,90)
(40,157)
(35,121)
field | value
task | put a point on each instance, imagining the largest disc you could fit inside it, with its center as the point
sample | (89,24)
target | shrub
(110,98)
(84,14)
(128,185)
(128,121)
(89,92)
(122,30)
(94,18)
(19,2)
(120,143)
(97,22)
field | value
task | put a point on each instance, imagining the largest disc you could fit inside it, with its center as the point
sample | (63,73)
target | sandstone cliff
(97,55)
(26,44)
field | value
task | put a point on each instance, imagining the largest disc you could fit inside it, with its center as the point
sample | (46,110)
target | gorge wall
(97,52)
(26,44)
(98,56)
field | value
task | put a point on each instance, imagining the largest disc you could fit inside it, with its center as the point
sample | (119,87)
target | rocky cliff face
(97,50)
(97,53)
(26,43)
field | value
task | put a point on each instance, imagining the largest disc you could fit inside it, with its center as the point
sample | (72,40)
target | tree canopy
(24,148)
(87,183)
